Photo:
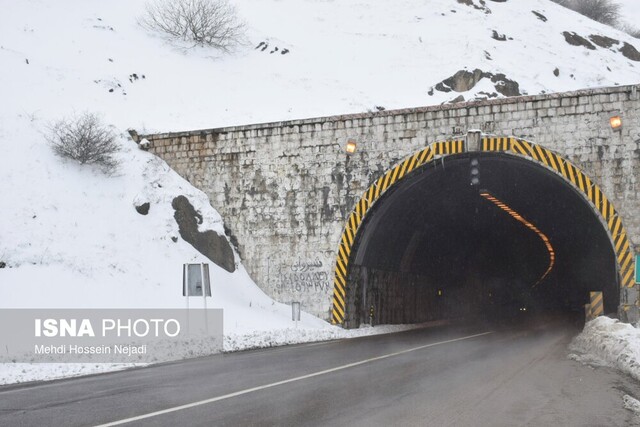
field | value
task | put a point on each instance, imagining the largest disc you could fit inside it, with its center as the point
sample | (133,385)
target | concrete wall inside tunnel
(286,189)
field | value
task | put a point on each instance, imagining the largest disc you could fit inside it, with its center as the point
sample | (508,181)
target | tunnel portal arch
(511,146)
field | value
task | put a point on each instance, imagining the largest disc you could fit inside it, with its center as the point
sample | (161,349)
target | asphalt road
(454,376)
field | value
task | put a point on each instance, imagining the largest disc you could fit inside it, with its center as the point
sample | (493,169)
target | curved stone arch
(581,182)
(510,145)
(368,199)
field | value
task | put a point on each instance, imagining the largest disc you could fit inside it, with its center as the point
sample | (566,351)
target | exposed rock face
(627,50)
(577,40)
(482,6)
(208,243)
(464,80)
(603,41)
(539,16)
(497,36)
(630,52)
(143,209)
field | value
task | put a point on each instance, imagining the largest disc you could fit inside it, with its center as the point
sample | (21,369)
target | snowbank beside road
(608,342)
(12,373)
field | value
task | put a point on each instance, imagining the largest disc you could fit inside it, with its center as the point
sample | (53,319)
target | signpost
(295,312)
(196,282)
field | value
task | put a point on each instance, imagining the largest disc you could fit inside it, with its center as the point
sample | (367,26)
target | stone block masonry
(285,189)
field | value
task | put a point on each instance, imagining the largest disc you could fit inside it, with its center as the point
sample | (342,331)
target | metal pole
(204,295)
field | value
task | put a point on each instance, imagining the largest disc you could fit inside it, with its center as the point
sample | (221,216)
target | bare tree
(565,3)
(86,140)
(212,23)
(603,11)
(631,30)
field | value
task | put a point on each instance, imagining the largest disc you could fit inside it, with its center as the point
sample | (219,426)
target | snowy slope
(344,56)
(63,224)
(71,236)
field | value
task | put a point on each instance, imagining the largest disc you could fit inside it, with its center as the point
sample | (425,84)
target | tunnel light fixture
(530,226)
(351,146)
(474,172)
(615,122)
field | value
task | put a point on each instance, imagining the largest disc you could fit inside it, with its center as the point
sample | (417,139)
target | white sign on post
(195,280)
(196,283)
(295,312)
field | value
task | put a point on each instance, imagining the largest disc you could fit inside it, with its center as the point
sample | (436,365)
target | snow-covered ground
(70,236)
(608,342)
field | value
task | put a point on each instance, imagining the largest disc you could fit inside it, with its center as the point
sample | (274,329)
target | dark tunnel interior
(433,248)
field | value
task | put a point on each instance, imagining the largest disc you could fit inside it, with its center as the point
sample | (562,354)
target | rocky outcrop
(465,80)
(208,243)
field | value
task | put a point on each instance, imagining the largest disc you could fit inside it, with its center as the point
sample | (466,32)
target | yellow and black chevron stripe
(373,193)
(496,144)
(597,304)
(583,183)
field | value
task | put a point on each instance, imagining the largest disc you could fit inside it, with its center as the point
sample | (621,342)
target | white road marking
(290,380)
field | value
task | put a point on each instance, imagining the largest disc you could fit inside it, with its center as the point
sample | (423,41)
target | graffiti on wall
(301,275)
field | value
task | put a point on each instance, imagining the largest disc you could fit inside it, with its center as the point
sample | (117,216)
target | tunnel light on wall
(475,172)
(351,146)
(530,226)
(615,122)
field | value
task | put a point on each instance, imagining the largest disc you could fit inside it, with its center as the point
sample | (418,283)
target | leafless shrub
(85,139)
(604,11)
(631,30)
(212,23)
(565,3)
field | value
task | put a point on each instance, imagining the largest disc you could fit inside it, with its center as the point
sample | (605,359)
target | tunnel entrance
(522,241)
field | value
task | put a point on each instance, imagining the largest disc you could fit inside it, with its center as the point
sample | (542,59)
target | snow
(632,404)
(608,342)
(70,235)
(346,56)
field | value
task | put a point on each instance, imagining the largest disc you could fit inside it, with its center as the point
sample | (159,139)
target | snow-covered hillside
(70,236)
(343,56)
(71,225)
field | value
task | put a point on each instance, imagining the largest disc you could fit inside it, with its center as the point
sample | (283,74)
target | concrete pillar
(474,140)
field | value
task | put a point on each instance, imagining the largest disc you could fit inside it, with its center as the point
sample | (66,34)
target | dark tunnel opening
(433,247)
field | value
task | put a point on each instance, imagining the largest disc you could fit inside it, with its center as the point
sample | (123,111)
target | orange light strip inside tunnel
(518,217)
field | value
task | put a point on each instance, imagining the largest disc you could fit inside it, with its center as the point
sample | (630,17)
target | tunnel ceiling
(436,224)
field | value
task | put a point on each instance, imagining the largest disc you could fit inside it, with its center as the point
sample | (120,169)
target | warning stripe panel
(517,147)
(552,159)
(339,299)
(414,161)
(541,155)
(403,169)
(597,304)
(628,279)
(497,144)
(425,155)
